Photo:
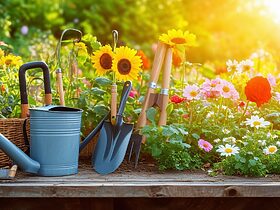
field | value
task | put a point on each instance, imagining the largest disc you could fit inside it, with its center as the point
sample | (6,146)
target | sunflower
(11,61)
(1,53)
(102,60)
(126,64)
(178,37)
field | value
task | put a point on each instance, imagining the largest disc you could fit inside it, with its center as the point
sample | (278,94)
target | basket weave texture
(12,129)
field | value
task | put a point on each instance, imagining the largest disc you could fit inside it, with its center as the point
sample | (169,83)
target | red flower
(3,89)
(185,116)
(176,99)
(176,58)
(145,60)
(242,104)
(258,90)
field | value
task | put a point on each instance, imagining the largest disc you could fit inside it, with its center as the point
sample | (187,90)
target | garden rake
(68,36)
(152,99)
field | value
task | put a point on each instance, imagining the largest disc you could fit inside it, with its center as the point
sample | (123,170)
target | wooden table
(135,185)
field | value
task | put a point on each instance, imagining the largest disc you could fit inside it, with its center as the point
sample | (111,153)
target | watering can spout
(18,156)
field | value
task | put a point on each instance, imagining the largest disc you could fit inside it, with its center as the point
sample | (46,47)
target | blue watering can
(54,133)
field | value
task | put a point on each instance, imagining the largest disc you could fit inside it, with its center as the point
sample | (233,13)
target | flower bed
(223,123)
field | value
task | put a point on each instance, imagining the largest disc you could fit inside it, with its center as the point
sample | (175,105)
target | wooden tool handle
(158,60)
(157,64)
(113,103)
(165,86)
(13,171)
(60,86)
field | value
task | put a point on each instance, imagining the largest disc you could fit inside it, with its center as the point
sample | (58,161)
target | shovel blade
(111,147)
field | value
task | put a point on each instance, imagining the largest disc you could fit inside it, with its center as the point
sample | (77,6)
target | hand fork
(152,99)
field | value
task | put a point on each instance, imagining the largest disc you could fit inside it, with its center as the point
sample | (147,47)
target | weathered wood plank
(137,184)
(139,190)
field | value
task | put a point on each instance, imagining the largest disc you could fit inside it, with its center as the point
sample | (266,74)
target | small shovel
(113,140)
(8,173)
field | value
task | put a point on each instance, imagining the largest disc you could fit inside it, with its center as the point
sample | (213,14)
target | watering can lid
(56,108)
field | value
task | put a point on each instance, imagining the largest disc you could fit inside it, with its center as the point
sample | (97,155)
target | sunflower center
(8,61)
(193,93)
(124,66)
(106,61)
(272,149)
(256,123)
(178,40)
(228,150)
(226,89)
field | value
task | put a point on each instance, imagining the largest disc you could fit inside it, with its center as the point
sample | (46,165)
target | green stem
(244,112)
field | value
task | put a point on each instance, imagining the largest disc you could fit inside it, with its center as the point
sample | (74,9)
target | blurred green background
(225,29)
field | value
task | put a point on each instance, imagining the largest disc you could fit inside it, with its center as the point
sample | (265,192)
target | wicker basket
(12,129)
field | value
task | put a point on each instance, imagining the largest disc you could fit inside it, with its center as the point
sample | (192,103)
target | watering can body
(54,139)
(54,142)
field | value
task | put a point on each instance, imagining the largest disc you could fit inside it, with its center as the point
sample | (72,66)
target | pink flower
(271,79)
(133,93)
(205,145)
(209,88)
(211,85)
(192,92)
(227,90)
(24,30)
(277,97)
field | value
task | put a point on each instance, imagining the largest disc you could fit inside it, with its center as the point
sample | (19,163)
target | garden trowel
(113,139)
(8,173)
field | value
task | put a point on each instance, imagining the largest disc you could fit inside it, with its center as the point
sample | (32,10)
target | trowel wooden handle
(165,86)
(157,64)
(60,86)
(113,103)
(13,171)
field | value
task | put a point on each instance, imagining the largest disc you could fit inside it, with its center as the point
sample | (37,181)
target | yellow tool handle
(113,103)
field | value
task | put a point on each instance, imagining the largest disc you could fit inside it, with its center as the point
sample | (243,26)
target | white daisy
(278,143)
(217,140)
(230,139)
(225,131)
(257,122)
(227,150)
(262,142)
(245,66)
(270,150)
(210,114)
(232,65)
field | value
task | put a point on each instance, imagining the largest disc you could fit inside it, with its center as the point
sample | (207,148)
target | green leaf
(98,92)
(169,108)
(183,131)
(196,136)
(137,111)
(169,130)
(102,81)
(156,151)
(252,162)
(100,110)
(151,115)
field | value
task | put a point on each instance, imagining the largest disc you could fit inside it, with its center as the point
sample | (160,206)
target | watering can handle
(22,81)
